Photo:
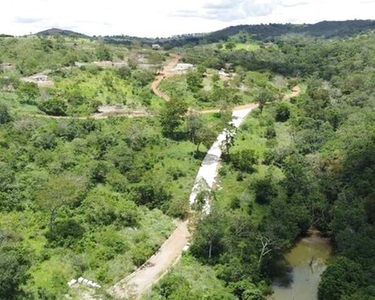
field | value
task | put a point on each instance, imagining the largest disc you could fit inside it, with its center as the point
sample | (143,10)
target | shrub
(270,132)
(140,254)
(264,190)
(5,116)
(124,72)
(64,233)
(176,172)
(54,107)
(282,112)
(244,160)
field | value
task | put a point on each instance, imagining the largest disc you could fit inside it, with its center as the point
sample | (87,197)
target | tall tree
(58,191)
(264,96)
(172,116)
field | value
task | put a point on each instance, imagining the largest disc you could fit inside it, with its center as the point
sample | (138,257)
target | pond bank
(307,262)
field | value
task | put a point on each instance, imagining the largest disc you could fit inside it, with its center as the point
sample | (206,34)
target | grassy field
(251,47)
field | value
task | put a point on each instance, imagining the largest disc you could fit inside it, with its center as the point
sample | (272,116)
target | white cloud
(168,17)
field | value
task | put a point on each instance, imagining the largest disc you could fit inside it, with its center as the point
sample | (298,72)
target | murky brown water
(308,261)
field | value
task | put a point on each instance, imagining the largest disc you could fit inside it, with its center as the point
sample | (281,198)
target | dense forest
(90,197)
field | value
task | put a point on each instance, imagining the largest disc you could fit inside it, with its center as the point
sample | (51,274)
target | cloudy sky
(154,18)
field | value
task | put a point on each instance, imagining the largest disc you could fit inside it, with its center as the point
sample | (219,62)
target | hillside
(93,197)
(263,32)
(62,32)
(325,29)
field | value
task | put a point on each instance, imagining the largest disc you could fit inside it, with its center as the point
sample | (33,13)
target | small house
(182,67)
(40,78)
(156,47)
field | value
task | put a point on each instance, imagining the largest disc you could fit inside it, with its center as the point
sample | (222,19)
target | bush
(143,77)
(244,160)
(152,194)
(174,287)
(45,141)
(270,132)
(176,172)
(54,107)
(27,91)
(5,116)
(264,190)
(282,112)
(103,207)
(65,233)
(140,254)
(124,72)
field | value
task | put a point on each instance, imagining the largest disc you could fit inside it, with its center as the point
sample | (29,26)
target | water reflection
(307,261)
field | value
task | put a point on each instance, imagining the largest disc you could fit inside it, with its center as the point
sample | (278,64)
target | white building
(156,47)
(182,67)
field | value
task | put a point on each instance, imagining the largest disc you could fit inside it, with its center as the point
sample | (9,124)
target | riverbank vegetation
(306,162)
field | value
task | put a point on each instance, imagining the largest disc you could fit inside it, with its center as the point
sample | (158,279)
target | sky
(162,18)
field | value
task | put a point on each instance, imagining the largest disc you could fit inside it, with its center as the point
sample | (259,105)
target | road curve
(170,252)
(167,72)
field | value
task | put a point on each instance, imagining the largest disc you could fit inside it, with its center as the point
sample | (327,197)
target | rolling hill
(62,32)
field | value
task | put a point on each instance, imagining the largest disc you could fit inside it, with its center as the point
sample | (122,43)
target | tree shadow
(281,273)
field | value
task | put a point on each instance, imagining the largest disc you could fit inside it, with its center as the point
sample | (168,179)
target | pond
(307,263)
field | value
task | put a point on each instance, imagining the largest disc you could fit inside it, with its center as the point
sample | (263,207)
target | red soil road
(167,72)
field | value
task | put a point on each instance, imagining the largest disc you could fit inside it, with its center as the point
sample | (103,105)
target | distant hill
(262,32)
(62,32)
(325,29)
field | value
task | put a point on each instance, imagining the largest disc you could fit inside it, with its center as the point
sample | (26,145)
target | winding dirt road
(170,252)
(167,72)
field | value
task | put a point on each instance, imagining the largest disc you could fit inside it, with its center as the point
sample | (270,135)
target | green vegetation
(96,198)
(214,91)
(87,198)
(83,74)
(302,163)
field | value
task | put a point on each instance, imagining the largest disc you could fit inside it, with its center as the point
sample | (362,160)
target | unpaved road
(209,168)
(167,72)
(295,92)
(158,265)
(101,116)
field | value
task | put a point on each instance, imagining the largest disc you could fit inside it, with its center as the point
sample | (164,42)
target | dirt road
(295,92)
(158,265)
(167,72)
